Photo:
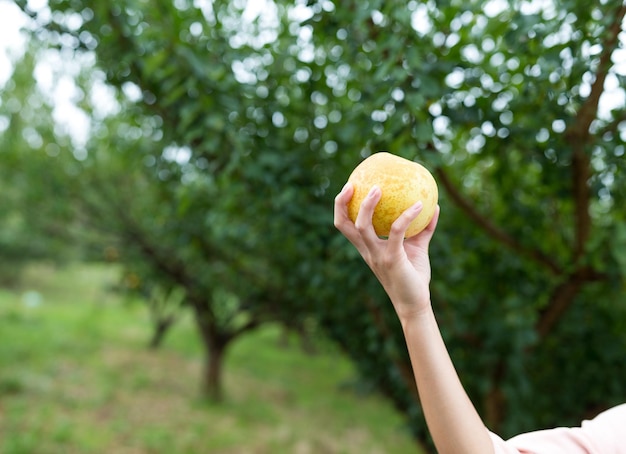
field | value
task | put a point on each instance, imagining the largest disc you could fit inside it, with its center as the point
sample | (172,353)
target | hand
(402,266)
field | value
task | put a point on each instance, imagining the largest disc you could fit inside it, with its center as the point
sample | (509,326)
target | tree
(503,105)
(500,100)
(155,177)
(160,217)
(34,226)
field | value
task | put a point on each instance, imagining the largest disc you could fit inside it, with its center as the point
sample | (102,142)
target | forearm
(452,420)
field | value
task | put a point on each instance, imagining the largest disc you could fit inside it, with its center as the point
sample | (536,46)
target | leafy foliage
(238,134)
(36,220)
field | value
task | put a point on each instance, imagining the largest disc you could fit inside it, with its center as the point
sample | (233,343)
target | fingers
(342,221)
(363,221)
(399,226)
(361,232)
(423,238)
(432,225)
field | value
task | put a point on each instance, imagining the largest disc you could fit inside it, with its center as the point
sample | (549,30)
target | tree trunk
(212,376)
(161,327)
(214,343)
(495,404)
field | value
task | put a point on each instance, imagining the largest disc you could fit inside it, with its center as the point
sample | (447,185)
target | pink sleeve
(605,434)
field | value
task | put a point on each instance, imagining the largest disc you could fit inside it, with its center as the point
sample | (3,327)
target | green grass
(76,377)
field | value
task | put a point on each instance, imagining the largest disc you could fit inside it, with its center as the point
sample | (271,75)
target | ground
(76,376)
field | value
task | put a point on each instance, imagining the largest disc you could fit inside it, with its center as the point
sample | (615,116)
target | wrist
(416,316)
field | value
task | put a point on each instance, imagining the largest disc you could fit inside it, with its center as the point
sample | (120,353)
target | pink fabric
(604,434)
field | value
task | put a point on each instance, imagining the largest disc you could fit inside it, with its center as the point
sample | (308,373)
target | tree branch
(562,298)
(491,229)
(578,132)
(581,193)
(579,137)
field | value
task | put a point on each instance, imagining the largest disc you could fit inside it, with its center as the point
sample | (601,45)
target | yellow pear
(402,183)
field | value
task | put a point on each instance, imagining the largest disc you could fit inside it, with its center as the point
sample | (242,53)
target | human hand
(401,265)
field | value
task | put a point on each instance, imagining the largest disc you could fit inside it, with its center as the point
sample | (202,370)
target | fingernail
(417,206)
(345,186)
(373,191)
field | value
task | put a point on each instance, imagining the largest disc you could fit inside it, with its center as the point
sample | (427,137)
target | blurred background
(170,277)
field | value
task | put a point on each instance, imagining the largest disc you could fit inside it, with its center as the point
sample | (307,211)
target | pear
(402,183)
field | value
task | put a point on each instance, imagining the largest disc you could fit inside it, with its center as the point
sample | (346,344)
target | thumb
(423,238)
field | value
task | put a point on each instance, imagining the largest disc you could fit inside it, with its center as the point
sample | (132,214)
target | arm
(403,268)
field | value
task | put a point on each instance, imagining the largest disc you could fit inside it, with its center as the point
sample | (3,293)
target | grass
(76,377)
